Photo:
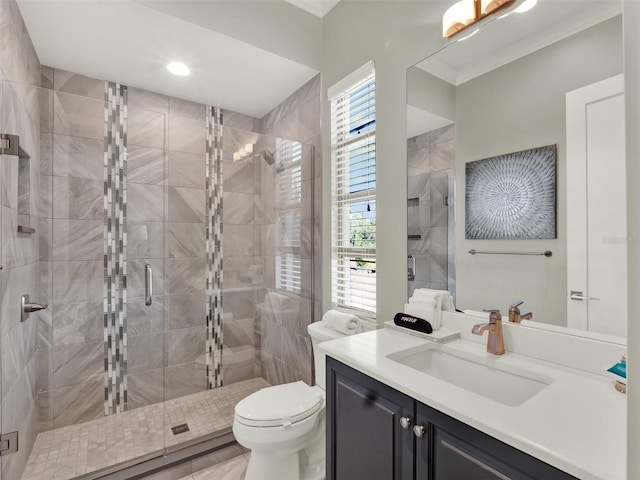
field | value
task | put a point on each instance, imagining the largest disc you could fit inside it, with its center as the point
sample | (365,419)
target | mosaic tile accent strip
(115,248)
(68,452)
(214,246)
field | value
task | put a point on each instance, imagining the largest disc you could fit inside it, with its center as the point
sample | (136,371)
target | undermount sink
(510,388)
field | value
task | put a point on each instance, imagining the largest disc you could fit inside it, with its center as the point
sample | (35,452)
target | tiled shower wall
(20,80)
(430,203)
(243,265)
(71,340)
(286,346)
(166,229)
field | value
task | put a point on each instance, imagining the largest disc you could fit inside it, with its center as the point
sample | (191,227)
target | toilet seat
(280,405)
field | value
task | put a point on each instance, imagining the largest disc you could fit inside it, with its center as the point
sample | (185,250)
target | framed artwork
(512,196)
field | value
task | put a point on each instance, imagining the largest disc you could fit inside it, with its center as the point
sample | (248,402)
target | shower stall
(173,250)
(431,210)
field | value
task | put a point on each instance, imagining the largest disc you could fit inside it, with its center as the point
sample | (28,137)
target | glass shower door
(147,169)
(188,200)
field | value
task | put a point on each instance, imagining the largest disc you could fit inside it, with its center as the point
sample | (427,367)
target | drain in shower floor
(180,429)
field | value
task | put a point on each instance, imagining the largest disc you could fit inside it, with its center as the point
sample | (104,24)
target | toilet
(284,425)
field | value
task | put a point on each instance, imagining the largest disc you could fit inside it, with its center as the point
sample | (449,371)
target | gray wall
(71,346)
(19,114)
(286,346)
(166,228)
(516,107)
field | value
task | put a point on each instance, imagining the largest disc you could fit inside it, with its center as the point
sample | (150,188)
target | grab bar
(148,285)
(546,253)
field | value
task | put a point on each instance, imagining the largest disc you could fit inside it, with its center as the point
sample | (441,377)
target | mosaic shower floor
(68,452)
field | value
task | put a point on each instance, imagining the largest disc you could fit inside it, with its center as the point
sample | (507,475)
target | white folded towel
(342,322)
(431,303)
(425,310)
(441,296)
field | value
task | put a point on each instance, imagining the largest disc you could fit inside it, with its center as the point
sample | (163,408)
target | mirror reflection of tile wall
(430,209)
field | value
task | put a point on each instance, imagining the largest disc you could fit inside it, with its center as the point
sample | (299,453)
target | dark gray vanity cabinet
(365,439)
(377,433)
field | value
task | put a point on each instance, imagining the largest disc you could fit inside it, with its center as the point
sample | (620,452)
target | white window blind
(288,206)
(353,190)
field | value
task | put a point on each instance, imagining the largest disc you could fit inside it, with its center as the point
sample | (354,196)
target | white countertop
(577,423)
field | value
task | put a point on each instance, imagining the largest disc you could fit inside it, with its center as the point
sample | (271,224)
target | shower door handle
(148,284)
(411,271)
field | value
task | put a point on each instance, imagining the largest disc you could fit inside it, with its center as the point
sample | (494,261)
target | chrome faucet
(514,313)
(495,342)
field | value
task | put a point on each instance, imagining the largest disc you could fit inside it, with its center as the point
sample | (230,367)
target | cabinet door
(365,439)
(456,451)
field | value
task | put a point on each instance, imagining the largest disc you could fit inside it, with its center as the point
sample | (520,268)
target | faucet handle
(494,314)
(517,303)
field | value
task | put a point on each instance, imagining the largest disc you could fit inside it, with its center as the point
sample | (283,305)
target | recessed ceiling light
(178,68)
(526,6)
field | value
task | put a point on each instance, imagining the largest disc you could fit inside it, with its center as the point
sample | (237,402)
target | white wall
(516,107)
(395,35)
(632,96)
(431,94)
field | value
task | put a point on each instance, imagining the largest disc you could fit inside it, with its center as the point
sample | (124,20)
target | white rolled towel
(342,322)
(425,310)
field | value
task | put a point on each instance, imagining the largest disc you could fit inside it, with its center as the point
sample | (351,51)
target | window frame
(347,137)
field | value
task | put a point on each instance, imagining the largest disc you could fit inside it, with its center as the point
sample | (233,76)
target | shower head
(268,157)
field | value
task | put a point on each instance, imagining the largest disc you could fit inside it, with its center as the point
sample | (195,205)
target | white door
(596,208)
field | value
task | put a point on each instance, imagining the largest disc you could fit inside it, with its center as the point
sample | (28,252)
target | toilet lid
(279,405)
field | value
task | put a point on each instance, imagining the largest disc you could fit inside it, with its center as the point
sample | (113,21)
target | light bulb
(526,6)
(179,69)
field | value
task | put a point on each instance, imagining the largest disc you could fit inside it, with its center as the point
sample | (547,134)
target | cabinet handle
(405,422)
(477,461)
(418,431)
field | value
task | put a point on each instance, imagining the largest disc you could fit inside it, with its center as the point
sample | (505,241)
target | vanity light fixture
(465,13)
(461,39)
(526,6)
(179,69)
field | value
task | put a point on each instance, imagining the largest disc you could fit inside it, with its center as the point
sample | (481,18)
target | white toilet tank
(319,333)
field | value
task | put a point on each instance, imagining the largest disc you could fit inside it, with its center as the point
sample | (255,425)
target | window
(288,207)
(353,190)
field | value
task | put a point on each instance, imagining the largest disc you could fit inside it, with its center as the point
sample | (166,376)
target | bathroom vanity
(375,431)
(402,407)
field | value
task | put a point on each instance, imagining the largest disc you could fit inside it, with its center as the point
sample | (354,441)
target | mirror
(478,112)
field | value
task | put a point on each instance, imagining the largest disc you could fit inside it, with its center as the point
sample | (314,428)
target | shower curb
(155,463)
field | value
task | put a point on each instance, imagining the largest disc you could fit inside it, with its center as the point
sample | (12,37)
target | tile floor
(67,452)
(233,469)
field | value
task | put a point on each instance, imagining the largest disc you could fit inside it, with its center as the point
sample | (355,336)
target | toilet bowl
(284,425)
